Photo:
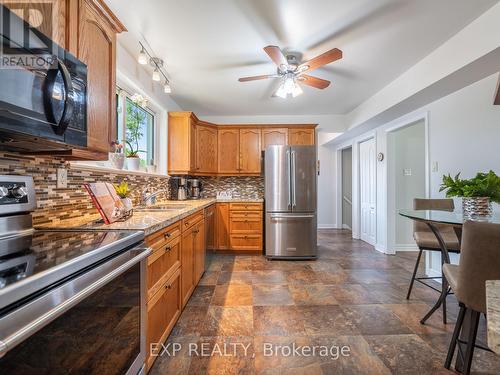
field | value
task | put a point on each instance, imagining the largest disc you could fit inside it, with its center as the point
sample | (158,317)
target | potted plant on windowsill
(133,135)
(117,158)
(477,193)
(123,192)
(133,159)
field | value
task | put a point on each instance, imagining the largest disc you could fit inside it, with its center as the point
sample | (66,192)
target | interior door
(303,178)
(368,190)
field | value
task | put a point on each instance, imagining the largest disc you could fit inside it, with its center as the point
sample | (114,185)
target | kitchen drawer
(245,225)
(245,206)
(162,264)
(246,241)
(191,220)
(163,310)
(161,237)
(246,214)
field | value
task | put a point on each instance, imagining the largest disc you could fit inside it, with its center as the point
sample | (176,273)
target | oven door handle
(21,323)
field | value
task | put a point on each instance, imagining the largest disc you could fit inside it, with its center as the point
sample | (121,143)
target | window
(136,128)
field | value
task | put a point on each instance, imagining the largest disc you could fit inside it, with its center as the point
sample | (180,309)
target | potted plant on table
(477,193)
(117,158)
(123,192)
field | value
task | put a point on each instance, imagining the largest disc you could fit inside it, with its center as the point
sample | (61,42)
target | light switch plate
(435,167)
(62,178)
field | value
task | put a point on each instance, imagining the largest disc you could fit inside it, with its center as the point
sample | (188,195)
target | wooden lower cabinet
(210,226)
(187,265)
(163,310)
(199,251)
(222,226)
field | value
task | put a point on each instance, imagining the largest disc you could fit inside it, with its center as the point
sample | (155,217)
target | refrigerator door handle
(292,177)
(288,216)
(289,166)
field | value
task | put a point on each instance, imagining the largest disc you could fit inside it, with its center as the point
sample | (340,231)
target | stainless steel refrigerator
(290,193)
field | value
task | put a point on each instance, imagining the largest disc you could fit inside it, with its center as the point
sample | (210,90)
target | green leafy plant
(483,185)
(122,189)
(134,120)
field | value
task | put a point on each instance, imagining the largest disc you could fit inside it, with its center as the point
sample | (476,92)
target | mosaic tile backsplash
(73,203)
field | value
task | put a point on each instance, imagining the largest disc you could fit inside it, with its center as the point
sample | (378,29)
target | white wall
(464,135)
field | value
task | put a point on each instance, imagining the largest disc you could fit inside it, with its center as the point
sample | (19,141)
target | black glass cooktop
(58,253)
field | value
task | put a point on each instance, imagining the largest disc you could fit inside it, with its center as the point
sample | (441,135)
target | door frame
(339,183)
(391,198)
(366,137)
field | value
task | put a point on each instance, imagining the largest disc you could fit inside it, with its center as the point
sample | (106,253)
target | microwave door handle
(68,100)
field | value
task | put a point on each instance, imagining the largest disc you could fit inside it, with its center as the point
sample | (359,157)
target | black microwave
(43,90)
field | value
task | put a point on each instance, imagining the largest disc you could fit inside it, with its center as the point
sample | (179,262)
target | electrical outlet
(407,171)
(62,178)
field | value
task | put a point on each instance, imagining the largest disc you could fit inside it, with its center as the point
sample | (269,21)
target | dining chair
(479,261)
(426,239)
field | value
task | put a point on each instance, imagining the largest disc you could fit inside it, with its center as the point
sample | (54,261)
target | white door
(368,190)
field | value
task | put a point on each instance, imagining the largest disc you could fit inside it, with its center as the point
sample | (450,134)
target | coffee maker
(177,188)
(195,187)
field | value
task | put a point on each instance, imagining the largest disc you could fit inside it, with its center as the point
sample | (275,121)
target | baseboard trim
(327,226)
(345,226)
(407,247)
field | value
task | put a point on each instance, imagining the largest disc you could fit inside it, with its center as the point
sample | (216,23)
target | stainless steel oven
(43,95)
(90,323)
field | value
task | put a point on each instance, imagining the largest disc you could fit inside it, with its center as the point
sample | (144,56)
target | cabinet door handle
(168,248)
(167,235)
(187,223)
(168,286)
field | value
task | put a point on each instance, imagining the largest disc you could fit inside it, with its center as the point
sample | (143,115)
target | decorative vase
(476,206)
(127,204)
(117,160)
(133,164)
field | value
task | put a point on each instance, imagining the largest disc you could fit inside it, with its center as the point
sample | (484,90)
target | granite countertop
(150,221)
(493,314)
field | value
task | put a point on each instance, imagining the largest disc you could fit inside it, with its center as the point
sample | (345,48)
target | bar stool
(479,261)
(426,240)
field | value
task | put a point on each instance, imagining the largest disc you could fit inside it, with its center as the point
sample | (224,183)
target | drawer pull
(167,235)
(186,223)
(168,286)
(168,248)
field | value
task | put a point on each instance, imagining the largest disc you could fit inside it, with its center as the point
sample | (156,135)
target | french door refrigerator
(290,194)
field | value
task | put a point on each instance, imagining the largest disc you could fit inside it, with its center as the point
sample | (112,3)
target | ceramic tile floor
(246,307)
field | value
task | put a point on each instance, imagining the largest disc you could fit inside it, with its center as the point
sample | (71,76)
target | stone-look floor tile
(209,278)
(271,294)
(357,359)
(232,295)
(407,354)
(274,355)
(331,278)
(228,321)
(223,355)
(390,293)
(483,362)
(168,362)
(326,321)
(352,294)
(278,321)
(411,314)
(302,277)
(315,294)
(235,277)
(202,295)
(269,277)
(239,264)
(375,320)
(375,276)
(191,321)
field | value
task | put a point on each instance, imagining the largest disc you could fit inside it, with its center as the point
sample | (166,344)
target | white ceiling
(208,45)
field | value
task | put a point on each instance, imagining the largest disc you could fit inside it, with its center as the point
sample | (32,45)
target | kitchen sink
(163,207)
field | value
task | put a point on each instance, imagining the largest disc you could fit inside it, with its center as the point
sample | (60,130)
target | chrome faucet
(150,199)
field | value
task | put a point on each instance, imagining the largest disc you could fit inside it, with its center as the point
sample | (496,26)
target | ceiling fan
(292,73)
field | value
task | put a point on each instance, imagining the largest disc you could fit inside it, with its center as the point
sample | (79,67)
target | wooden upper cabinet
(228,150)
(274,136)
(96,28)
(250,151)
(206,149)
(297,136)
(181,143)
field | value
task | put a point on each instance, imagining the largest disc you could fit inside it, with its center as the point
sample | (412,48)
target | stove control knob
(19,192)
(3,192)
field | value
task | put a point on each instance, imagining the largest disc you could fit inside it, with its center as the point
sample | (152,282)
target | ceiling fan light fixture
(281,92)
(143,57)
(297,90)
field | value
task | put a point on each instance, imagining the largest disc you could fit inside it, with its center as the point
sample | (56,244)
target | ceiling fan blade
(274,52)
(255,78)
(319,61)
(314,81)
